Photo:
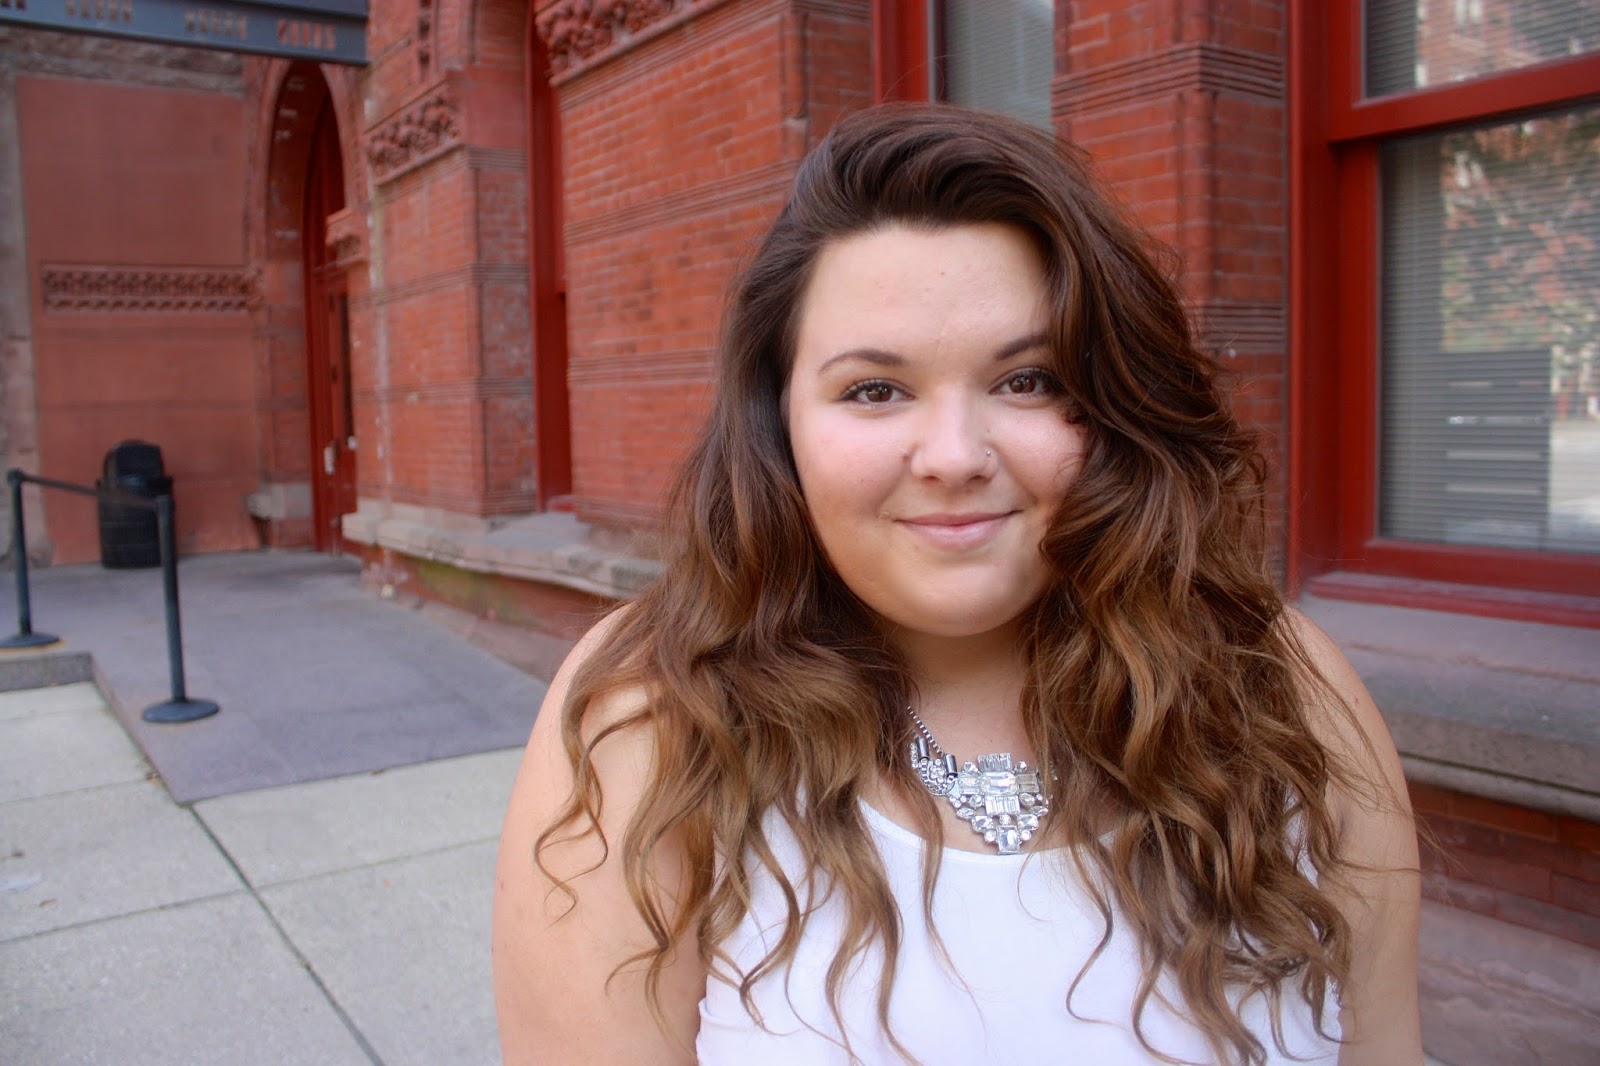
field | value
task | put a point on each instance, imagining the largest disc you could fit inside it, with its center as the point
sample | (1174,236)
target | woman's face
(932,443)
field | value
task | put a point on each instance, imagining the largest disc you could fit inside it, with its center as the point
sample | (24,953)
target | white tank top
(1018,933)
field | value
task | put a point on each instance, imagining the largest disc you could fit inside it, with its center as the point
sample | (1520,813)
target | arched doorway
(308,440)
(327,325)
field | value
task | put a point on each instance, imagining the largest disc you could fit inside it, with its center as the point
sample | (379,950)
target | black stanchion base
(180,711)
(29,640)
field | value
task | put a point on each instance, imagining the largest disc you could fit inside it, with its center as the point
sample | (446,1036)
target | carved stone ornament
(427,129)
(345,237)
(576,30)
(144,290)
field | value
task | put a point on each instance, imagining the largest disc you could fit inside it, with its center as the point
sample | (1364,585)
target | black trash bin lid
(135,459)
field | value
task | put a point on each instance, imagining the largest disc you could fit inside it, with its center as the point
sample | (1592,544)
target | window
(992,54)
(998,55)
(1489,349)
(1457,334)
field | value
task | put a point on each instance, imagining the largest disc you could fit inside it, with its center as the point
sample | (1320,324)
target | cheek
(839,494)
(1054,457)
(843,465)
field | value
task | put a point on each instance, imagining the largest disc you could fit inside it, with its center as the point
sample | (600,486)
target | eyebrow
(882,357)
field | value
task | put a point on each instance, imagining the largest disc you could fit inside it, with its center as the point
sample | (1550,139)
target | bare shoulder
(1371,804)
(1342,711)
(545,779)
(1379,892)
(610,707)
(564,919)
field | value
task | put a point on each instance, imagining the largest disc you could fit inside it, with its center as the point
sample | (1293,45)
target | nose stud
(987,454)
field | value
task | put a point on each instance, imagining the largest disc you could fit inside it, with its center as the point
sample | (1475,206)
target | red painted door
(333,431)
(338,458)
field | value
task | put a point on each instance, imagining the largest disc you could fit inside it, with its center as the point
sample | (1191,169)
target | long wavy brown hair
(1164,691)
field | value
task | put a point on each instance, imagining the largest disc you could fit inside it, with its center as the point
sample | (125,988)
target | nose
(951,443)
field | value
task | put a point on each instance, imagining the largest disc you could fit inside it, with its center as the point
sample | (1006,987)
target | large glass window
(1490,357)
(1447,329)
(1412,44)
(998,55)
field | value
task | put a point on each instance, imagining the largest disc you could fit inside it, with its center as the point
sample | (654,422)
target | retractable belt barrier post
(180,708)
(24,637)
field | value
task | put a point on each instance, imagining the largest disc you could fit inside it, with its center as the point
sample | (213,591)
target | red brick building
(452,312)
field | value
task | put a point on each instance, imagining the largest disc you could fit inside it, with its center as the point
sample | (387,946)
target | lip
(956,532)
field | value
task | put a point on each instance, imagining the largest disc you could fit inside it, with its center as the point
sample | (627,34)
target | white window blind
(1412,44)
(999,55)
(1490,358)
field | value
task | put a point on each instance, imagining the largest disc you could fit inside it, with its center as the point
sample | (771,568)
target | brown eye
(872,393)
(1030,383)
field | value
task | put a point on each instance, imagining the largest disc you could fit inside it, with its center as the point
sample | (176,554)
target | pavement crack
(294,949)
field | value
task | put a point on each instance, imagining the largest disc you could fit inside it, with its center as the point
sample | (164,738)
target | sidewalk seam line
(157,908)
(149,778)
(31,715)
(344,779)
(374,864)
(294,949)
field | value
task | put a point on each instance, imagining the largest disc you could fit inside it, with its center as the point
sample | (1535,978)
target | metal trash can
(129,536)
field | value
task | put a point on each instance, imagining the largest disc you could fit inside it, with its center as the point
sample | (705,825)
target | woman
(967,487)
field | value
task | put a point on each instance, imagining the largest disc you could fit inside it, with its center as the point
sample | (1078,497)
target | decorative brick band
(470,390)
(643,369)
(575,31)
(1186,67)
(92,58)
(1242,327)
(451,280)
(424,131)
(770,182)
(135,289)
(578,34)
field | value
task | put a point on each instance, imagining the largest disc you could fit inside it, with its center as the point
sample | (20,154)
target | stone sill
(1506,710)
(552,548)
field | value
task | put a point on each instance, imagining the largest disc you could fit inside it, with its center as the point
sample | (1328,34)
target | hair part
(1164,690)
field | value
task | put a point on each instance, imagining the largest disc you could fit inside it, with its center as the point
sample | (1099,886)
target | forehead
(907,287)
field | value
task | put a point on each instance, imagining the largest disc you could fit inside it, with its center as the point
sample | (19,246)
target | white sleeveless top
(1018,932)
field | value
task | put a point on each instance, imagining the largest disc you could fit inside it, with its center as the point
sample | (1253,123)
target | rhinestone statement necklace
(1002,803)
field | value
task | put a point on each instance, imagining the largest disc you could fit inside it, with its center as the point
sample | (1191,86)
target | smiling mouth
(956,532)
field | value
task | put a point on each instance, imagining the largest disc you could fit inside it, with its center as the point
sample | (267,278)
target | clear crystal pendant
(1002,803)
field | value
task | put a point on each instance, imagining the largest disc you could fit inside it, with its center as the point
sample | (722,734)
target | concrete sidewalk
(303,878)
(338,921)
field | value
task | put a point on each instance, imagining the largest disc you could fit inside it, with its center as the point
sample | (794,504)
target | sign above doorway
(325,31)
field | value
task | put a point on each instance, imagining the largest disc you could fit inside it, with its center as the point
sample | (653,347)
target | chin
(954,623)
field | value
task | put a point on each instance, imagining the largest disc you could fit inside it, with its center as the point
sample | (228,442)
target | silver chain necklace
(1002,803)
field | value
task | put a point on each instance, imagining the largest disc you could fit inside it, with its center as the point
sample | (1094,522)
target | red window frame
(1335,299)
(900,60)
(547,283)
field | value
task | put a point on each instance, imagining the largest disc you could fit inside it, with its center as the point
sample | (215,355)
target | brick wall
(137,278)
(1183,109)
(443,369)
(1526,867)
(679,146)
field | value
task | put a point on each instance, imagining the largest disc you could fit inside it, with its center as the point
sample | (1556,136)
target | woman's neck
(968,689)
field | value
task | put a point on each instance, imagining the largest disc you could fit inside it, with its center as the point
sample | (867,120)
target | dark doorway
(333,430)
